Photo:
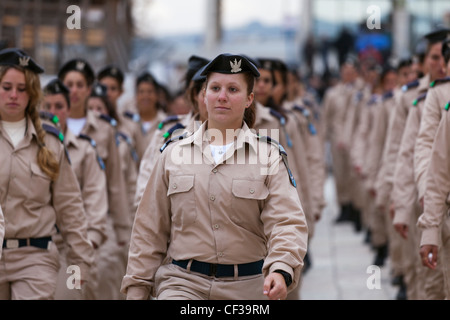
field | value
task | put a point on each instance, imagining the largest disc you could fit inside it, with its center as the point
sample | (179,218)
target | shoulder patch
(439,81)
(410,85)
(94,145)
(420,98)
(306,113)
(108,119)
(447,106)
(388,95)
(283,155)
(168,120)
(58,134)
(282,120)
(172,129)
(133,116)
(54,131)
(49,116)
(129,142)
(177,138)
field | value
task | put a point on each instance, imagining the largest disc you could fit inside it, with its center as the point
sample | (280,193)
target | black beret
(79,65)
(18,57)
(98,90)
(446,49)
(272,64)
(56,86)
(230,64)
(439,34)
(195,65)
(111,71)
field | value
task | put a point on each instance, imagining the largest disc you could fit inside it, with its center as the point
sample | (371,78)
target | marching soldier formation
(220,201)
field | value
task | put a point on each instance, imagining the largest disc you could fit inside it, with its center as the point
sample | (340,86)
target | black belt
(35,242)
(222,270)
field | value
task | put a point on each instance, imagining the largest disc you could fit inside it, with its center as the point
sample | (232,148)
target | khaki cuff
(430,236)
(138,293)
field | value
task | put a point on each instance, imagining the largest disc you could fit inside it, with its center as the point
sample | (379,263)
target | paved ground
(341,262)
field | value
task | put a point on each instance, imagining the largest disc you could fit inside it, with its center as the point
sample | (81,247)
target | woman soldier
(173,126)
(225,199)
(39,192)
(149,106)
(90,174)
(78,76)
(128,122)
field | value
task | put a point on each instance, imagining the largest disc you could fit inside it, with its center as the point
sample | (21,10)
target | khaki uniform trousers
(175,283)
(444,255)
(29,273)
(341,173)
(88,290)
(111,265)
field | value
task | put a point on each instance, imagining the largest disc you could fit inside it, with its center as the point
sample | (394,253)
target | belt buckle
(212,270)
(12,243)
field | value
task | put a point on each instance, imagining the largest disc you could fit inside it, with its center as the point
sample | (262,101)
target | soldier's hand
(429,254)
(402,229)
(275,287)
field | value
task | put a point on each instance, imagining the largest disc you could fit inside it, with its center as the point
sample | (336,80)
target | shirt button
(252,191)
(212,198)
(216,226)
(214,170)
(220,254)
(174,186)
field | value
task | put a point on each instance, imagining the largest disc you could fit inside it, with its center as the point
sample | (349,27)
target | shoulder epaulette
(439,81)
(49,116)
(168,120)
(388,95)
(420,98)
(58,134)
(306,113)
(94,145)
(283,155)
(447,106)
(172,129)
(133,116)
(410,85)
(308,103)
(127,139)
(108,119)
(282,120)
(177,138)
(54,131)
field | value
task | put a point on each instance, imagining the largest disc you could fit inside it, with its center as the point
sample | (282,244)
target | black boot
(356,218)
(401,294)
(345,213)
(381,255)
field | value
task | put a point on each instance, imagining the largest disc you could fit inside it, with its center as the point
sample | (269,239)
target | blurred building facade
(54,31)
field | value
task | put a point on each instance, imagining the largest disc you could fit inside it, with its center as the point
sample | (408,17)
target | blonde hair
(45,157)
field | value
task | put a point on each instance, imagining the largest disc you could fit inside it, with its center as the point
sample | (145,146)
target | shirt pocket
(248,198)
(182,200)
(39,184)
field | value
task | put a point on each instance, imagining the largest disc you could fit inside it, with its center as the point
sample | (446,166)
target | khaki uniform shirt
(404,185)
(153,150)
(92,180)
(131,126)
(267,124)
(105,137)
(314,154)
(438,184)
(395,132)
(436,99)
(148,135)
(237,211)
(33,205)
(377,138)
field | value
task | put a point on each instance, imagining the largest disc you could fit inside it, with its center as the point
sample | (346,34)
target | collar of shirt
(70,139)
(200,139)
(262,114)
(30,131)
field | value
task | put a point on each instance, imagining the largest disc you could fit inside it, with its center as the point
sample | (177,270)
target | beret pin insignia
(80,65)
(236,66)
(23,61)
